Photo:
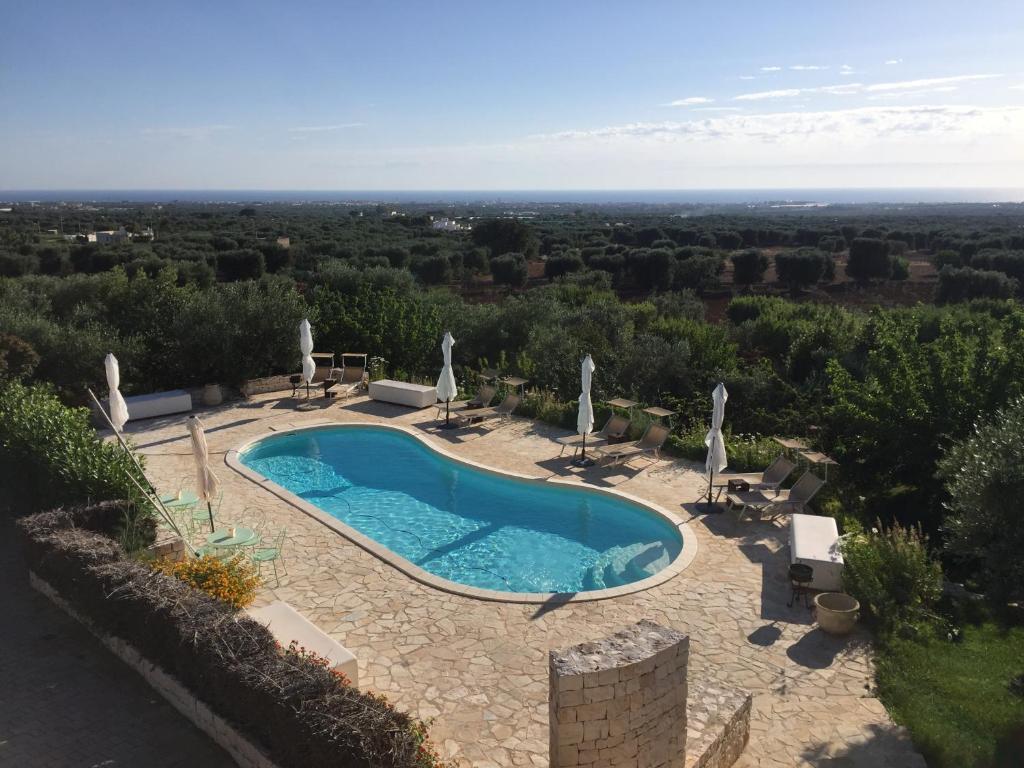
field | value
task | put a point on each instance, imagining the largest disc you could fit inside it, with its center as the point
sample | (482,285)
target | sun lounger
(770,480)
(614,429)
(483,399)
(502,411)
(777,503)
(648,445)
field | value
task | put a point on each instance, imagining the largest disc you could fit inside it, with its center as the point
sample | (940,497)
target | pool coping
(685,557)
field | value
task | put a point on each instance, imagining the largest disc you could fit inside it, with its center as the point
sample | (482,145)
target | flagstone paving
(479,668)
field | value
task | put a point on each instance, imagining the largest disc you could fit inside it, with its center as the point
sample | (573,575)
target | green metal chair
(272,555)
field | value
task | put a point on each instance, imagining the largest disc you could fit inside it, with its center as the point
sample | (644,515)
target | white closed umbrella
(207,483)
(118,407)
(446,388)
(716,460)
(585,416)
(306,347)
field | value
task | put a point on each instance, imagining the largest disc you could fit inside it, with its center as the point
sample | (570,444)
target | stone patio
(479,669)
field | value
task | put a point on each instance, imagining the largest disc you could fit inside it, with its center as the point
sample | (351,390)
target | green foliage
(869,259)
(510,269)
(892,575)
(955,697)
(967,283)
(563,264)
(503,236)
(984,478)
(52,456)
(698,273)
(17,358)
(746,453)
(803,268)
(748,266)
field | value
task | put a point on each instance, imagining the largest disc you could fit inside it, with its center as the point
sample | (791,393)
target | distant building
(448,225)
(143,235)
(107,236)
(284,242)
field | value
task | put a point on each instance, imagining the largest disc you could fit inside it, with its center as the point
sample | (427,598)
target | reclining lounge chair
(615,429)
(776,503)
(648,445)
(484,397)
(501,411)
(770,480)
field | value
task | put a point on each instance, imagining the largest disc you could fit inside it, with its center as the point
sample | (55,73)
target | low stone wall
(242,751)
(268,384)
(621,701)
(718,720)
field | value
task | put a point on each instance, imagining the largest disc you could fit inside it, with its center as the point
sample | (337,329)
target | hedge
(295,708)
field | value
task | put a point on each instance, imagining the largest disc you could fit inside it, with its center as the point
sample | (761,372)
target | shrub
(967,283)
(432,270)
(900,268)
(17,358)
(802,268)
(749,266)
(51,455)
(746,453)
(506,236)
(289,703)
(728,240)
(892,575)
(1008,262)
(563,264)
(984,477)
(651,268)
(869,259)
(510,269)
(699,273)
(244,264)
(232,580)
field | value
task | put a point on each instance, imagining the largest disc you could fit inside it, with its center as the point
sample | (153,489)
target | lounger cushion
(287,624)
(814,541)
(403,393)
(158,404)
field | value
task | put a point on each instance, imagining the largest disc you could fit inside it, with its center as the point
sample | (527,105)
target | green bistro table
(222,538)
(174,501)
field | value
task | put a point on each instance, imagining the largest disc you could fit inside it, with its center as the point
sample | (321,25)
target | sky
(477,95)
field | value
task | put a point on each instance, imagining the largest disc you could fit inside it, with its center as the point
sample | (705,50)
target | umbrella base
(710,508)
(586,461)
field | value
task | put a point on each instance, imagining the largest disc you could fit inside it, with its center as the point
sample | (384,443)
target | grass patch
(954,697)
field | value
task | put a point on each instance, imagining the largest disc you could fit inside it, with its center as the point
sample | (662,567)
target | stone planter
(836,612)
(212,394)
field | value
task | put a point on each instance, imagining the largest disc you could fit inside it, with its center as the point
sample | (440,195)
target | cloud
(858,125)
(846,69)
(771,69)
(748,77)
(925,82)
(689,101)
(807,67)
(890,62)
(839,89)
(324,128)
(911,94)
(718,109)
(915,87)
(1018,87)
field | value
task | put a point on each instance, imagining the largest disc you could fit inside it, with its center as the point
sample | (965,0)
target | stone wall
(620,702)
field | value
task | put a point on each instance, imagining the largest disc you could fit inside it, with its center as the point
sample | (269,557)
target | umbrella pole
(447,415)
(583,461)
(209,511)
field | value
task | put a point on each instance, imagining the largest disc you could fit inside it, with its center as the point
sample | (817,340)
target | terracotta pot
(836,612)
(212,394)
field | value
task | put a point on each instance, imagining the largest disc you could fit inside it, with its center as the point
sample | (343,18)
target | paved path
(65,701)
(479,668)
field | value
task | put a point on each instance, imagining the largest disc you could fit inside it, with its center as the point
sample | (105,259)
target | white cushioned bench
(287,624)
(158,404)
(403,393)
(814,541)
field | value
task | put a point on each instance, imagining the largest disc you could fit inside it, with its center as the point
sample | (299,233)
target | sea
(780,197)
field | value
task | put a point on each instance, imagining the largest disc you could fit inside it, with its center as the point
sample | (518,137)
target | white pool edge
(678,565)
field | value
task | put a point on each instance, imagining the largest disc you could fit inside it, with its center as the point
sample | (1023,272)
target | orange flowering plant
(233,580)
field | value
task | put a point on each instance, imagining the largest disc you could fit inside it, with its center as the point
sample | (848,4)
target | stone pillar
(620,702)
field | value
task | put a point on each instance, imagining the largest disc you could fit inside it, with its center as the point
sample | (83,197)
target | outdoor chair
(615,429)
(502,411)
(776,503)
(484,397)
(271,554)
(296,381)
(770,480)
(649,445)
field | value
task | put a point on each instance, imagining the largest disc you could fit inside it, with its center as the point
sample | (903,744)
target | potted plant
(836,612)
(212,394)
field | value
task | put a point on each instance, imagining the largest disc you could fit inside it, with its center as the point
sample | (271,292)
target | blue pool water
(462,524)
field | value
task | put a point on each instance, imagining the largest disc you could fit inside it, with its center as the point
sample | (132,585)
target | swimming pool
(465,524)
